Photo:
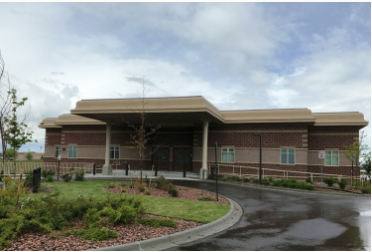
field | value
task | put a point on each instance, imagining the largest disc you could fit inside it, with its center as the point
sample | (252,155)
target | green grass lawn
(204,212)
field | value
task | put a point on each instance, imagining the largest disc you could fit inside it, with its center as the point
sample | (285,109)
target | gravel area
(32,239)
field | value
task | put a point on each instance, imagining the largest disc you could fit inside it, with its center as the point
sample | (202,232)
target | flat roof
(189,110)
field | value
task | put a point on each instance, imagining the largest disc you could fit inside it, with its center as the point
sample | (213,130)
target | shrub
(95,234)
(66,177)
(173,192)
(147,181)
(160,182)
(271,179)
(9,228)
(111,184)
(79,175)
(147,192)
(45,173)
(342,184)
(207,198)
(330,181)
(1,175)
(239,179)
(300,185)
(276,183)
(127,213)
(43,187)
(91,218)
(123,190)
(141,188)
(49,179)
(256,181)
(246,179)
(308,180)
(366,188)
(266,182)
(154,222)
(28,179)
(308,187)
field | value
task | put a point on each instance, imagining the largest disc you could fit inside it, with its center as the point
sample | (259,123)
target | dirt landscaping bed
(33,240)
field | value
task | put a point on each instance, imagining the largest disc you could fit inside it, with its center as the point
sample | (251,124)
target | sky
(236,55)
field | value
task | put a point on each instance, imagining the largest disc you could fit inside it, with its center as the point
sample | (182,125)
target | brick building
(97,131)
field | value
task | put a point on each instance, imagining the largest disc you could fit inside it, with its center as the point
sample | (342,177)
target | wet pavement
(286,220)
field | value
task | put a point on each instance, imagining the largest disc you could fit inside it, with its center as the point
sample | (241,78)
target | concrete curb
(290,189)
(179,238)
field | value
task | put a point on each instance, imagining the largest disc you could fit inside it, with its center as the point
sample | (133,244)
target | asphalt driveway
(286,220)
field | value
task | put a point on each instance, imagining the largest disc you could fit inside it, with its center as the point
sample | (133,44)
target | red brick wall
(326,140)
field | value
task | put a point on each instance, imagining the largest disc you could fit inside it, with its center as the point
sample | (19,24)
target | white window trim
(338,159)
(114,152)
(68,151)
(294,155)
(231,147)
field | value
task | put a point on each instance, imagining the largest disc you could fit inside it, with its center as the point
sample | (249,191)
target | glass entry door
(160,158)
(182,159)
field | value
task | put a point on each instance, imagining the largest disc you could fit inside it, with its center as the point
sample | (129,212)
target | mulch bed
(32,239)
(183,193)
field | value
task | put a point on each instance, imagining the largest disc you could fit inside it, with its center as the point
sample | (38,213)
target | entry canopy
(187,111)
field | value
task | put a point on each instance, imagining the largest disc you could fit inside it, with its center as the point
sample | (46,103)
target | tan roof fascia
(68,119)
(152,105)
(49,123)
(340,119)
(269,116)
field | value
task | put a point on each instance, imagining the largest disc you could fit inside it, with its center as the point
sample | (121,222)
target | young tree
(29,156)
(142,132)
(367,164)
(9,154)
(356,150)
(16,133)
(5,105)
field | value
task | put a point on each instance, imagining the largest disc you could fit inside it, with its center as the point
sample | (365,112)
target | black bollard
(212,172)
(156,170)
(36,176)
(94,169)
(126,169)
(184,171)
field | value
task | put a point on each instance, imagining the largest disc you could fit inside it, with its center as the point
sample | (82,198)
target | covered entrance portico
(171,114)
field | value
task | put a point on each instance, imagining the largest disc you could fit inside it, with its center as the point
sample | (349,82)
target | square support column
(106,169)
(204,169)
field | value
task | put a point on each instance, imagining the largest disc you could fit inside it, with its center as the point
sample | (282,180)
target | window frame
(294,155)
(68,153)
(114,149)
(338,157)
(228,151)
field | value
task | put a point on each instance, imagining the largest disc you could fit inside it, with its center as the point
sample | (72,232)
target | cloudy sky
(236,55)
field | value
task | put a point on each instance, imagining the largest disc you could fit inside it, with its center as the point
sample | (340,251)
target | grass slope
(170,207)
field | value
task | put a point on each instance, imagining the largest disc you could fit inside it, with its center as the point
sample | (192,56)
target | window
(114,152)
(72,151)
(331,158)
(228,155)
(57,151)
(287,156)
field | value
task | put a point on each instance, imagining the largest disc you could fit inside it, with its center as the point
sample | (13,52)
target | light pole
(352,170)
(260,175)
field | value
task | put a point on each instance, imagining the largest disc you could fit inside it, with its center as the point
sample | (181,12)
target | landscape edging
(185,236)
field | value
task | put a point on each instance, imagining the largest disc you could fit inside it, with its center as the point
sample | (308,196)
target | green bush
(271,179)
(246,179)
(154,222)
(91,218)
(308,180)
(1,175)
(173,192)
(147,192)
(207,199)
(49,178)
(276,183)
(95,234)
(123,190)
(43,187)
(141,188)
(366,188)
(160,182)
(66,177)
(79,176)
(342,184)
(256,181)
(308,187)
(330,181)
(266,182)
(9,228)
(239,179)
(28,179)
(45,173)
